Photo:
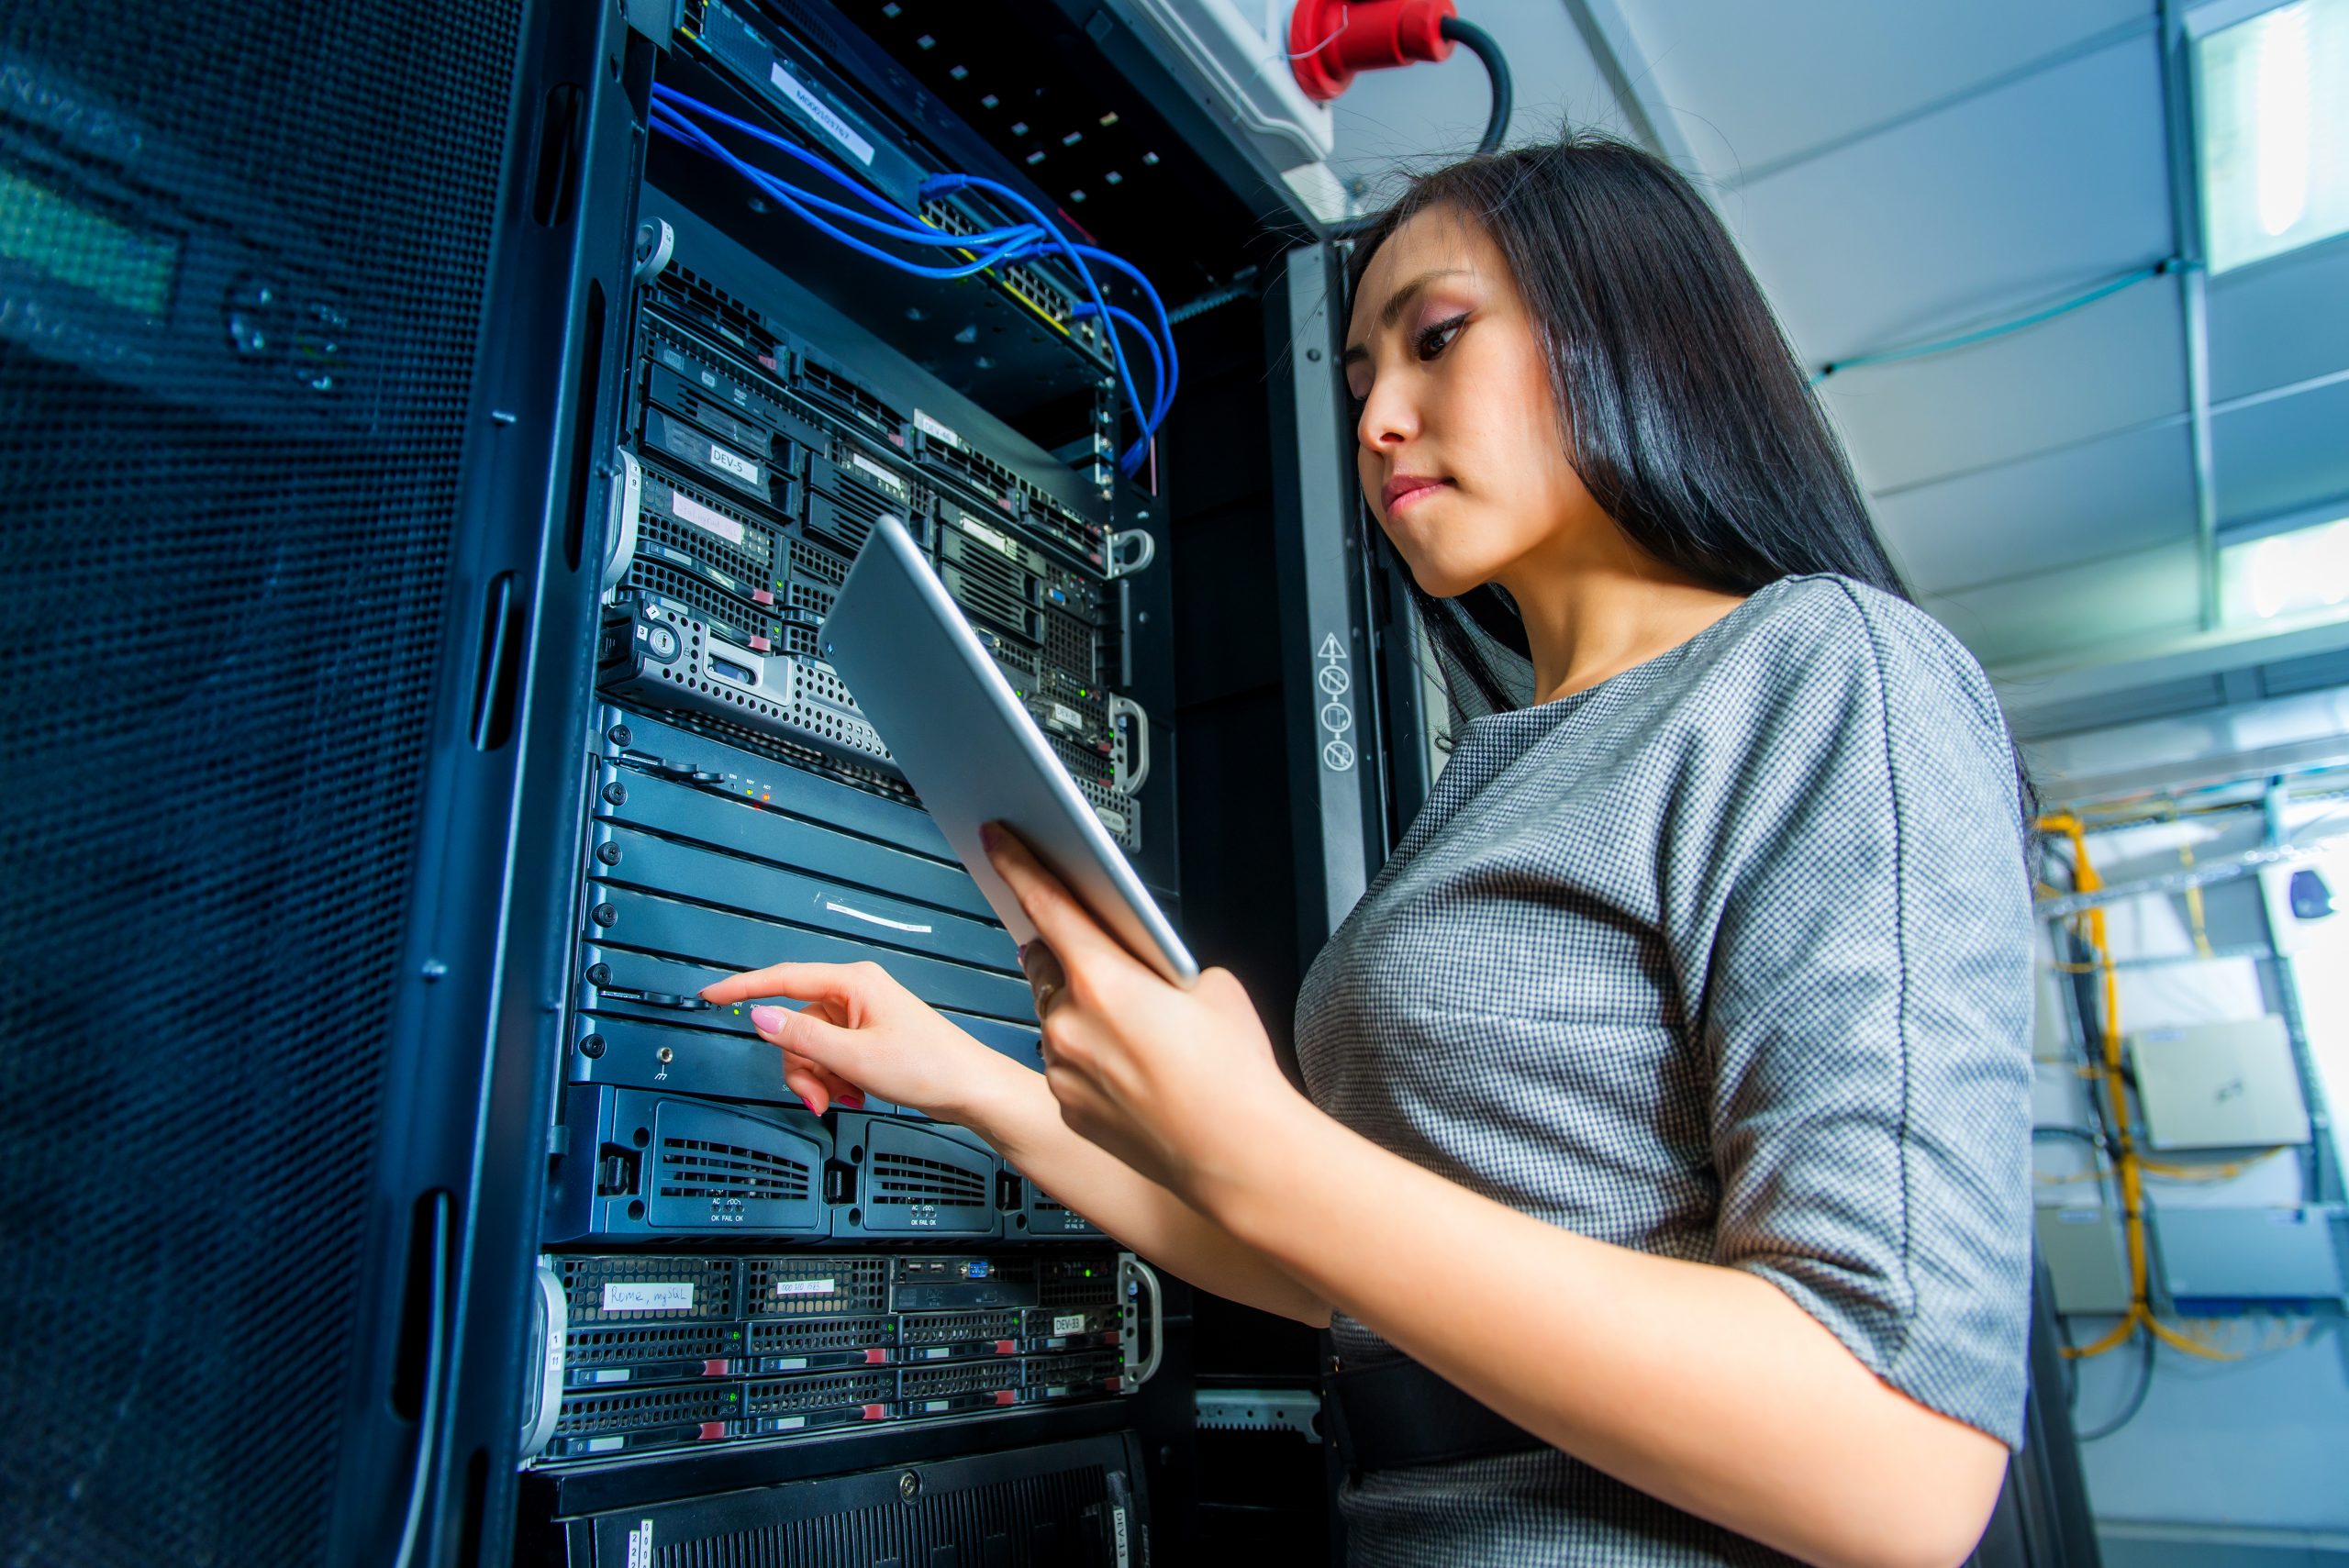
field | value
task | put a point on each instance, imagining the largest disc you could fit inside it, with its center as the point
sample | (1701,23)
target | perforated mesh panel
(225,590)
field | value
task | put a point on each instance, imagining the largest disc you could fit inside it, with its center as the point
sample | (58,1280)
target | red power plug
(1329,40)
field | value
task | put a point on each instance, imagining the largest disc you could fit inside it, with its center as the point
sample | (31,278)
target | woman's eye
(1436,337)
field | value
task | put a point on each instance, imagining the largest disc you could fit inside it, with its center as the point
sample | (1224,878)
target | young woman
(1663,1173)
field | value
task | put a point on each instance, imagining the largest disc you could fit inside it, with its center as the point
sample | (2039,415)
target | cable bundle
(680,118)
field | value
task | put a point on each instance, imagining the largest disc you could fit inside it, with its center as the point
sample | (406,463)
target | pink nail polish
(851,1102)
(767,1021)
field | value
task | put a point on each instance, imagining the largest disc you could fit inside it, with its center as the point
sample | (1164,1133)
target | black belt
(1392,1414)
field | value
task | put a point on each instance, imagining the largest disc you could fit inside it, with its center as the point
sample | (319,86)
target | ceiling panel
(2280,322)
(2007,200)
(1757,84)
(2105,498)
(2118,363)
(2282,455)
(2074,610)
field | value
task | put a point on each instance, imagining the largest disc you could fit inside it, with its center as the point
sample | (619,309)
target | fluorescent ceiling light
(2273,101)
(2284,574)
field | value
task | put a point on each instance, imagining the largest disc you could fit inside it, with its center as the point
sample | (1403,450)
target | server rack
(543,1265)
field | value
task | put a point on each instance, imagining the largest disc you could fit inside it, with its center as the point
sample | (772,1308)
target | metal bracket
(1138,540)
(1133,1276)
(1131,723)
(1261,1410)
(656,243)
(627,500)
(553,1331)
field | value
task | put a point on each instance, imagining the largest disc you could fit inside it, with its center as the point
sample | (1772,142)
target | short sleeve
(1867,1013)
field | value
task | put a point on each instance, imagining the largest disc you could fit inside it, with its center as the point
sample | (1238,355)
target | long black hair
(1683,408)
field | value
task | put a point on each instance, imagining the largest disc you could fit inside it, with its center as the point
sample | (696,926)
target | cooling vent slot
(718,1169)
(837,392)
(638,1409)
(960,1378)
(847,518)
(814,1286)
(906,1178)
(723,611)
(809,598)
(792,1336)
(776,1395)
(814,560)
(648,1342)
(961,1327)
(692,1168)
(703,302)
(1069,644)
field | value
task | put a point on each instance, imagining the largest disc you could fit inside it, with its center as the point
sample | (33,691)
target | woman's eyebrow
(1392,311)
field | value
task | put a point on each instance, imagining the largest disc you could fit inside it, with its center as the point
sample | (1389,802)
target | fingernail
(851,1102)
(767,1021)
(990,837)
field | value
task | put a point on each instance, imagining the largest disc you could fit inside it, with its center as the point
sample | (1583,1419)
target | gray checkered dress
(1727,958)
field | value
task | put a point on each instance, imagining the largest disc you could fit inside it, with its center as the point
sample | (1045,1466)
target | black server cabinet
(325,346)
(301,309)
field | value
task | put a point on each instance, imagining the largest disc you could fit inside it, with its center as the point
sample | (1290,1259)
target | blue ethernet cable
(1039,237)
(1141,328)
(1132,457)
(804,204)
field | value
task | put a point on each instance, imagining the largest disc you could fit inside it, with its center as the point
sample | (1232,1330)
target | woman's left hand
(1179,1085)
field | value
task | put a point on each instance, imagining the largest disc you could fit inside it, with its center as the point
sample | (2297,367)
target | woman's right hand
(860,1032)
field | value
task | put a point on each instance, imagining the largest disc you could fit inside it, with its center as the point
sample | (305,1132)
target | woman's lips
(1406,488)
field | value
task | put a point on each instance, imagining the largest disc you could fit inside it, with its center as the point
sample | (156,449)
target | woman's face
(1461,451)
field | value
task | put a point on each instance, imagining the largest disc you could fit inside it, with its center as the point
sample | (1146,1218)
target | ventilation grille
(990,600)
(698,300)
(1079,1369)
(961,1327)
(779,1287)
(807,596)
(833,1391)
(960,1378)
(855,510)
(1068,644)
(649,1342)
(1071,1288)
(712,1280)
(837,392)
(794,1336)
(783,748)
(694,1168)
(909,1178)
(1036,1519)
(814,560)
(723,610)
(634,1409)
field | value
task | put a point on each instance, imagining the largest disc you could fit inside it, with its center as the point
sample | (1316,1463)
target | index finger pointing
(799,982)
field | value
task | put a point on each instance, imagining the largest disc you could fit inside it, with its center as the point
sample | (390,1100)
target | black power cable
(1479,42)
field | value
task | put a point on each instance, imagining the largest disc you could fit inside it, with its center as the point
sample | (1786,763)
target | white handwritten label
(693,512)
(931,426)
(1072,1324)
(806,1286)
(880,475)
(734,464)
(648,1295)
(815,109)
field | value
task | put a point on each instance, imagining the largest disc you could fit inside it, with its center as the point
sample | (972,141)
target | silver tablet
(970,749)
